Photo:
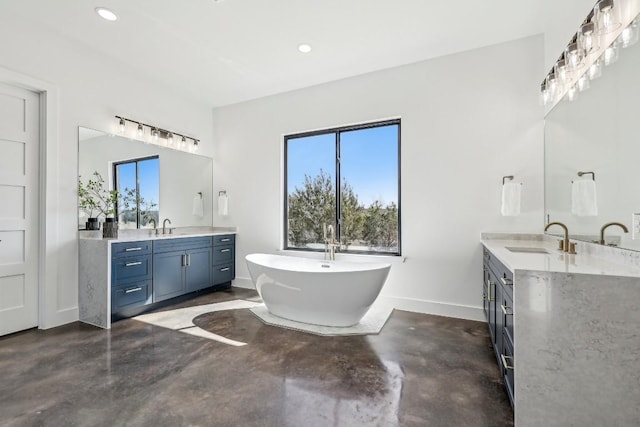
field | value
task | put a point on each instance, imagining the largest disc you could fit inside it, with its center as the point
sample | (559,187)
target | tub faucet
(604,227)
(330,243)
(164,225)
(565,241)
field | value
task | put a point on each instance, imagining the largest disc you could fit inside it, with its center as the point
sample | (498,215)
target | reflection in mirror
(597,132)
(154,182)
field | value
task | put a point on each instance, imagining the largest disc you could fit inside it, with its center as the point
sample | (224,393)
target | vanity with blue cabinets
(125,275)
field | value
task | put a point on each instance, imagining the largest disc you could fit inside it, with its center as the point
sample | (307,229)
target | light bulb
(595,70)
(573,55)
(545,97)
(154,135)
(610,54)
(170,138)
(562,71)
(140,131)
(195,145)
(122,125)
(606,14)
(183,142)
(629,35)
(572,93)
(587,38)
(583,83)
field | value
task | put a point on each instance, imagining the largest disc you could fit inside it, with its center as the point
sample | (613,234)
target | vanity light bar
(157,132)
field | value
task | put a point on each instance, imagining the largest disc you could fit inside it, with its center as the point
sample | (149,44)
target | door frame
(49,312)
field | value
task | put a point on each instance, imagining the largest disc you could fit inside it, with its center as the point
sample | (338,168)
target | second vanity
(140,268)
(565,329)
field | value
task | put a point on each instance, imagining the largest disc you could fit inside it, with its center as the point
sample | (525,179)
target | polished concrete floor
(420,370)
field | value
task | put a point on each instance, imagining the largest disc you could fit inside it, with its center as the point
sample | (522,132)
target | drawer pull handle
(131,264)
(506,310)
(507,282)
(504,361)
(132,249)
(129,291)
(225,240)
(225,250)
(224,269)
(489,284)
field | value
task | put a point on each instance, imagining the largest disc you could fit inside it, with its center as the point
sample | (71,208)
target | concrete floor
(421,370)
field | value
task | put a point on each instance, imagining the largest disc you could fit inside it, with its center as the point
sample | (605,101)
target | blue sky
(149,179)
(369,161)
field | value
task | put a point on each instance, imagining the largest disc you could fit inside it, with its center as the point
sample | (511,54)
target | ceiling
(227,51)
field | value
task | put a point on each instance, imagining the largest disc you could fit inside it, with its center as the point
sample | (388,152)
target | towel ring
(593,175)
(509,177)
(222,193)
(200,194)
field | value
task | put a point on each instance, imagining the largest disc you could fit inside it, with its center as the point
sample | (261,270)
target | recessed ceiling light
(304,48)
(106,14)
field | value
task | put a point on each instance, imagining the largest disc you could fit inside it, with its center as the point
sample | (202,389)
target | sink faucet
(604,227)
(565,241)
(164,225)
(155,226)
(330,243)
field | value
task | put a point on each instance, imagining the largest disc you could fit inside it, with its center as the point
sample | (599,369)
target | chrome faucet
(330,243)
(164,226)
(155,226)
(604,227)
(565,241)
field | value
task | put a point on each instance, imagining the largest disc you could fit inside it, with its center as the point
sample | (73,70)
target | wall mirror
(598,132)
(169,181)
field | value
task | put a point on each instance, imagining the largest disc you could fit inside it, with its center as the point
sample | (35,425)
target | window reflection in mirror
(137,182)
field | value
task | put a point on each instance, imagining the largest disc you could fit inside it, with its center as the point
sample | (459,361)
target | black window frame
(116,186)
(338,131)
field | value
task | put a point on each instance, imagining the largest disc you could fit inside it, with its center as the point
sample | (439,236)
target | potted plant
(96,199)
(136,208)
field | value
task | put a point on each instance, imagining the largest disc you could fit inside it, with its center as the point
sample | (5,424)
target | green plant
(132,202)
(95,198)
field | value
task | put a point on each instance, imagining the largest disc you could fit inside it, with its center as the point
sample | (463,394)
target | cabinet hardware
(489,284)
(225,240)
(224,269)
(188,260)
(184,260)
(128,291)
(506,310)
(131,264)
(225,250)
(132,249)
(504,361)
(507,282)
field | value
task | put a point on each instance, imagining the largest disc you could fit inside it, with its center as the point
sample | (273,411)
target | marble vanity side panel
(93,285)
(577,349)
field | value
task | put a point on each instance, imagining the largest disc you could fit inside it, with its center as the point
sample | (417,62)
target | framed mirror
(598,132)
(153,182)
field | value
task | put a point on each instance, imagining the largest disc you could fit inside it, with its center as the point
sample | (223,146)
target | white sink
(526,250)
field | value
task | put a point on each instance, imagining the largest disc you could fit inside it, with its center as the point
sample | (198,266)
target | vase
(92,224)
(110,228)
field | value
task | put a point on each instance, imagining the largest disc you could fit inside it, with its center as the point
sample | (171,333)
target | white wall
(91,89)
(467,120)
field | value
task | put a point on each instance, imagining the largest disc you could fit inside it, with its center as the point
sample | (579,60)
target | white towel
(223,204)
(198,206)
(583,198)
(511,195)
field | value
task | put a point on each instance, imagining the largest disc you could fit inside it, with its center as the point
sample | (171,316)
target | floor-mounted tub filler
(325,293)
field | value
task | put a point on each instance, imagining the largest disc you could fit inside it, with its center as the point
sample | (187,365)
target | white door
(19,155)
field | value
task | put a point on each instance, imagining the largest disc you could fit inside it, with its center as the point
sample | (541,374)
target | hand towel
(583,198)
(511,195)
(198,206)
(223,204)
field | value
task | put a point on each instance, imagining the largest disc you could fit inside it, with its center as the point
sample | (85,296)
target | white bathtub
(327,293)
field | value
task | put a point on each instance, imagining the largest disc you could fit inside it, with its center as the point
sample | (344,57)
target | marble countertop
(147,234)
(555,260)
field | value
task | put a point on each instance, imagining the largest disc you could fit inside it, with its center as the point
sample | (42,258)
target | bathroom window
(348,178)
(138,185)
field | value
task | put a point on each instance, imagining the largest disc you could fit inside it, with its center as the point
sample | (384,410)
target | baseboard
(59,318)
(436,308)
(243,282)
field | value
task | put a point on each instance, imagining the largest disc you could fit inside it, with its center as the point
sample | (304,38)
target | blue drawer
(177,244)
(128,269)
(224,239)
(223,273)
(131,248)
(222,254)
(132,295)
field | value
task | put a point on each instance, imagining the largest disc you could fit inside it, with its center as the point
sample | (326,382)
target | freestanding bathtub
(327,293)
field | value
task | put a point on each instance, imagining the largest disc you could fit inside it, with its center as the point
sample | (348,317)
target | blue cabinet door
(168,275)
(198,270)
